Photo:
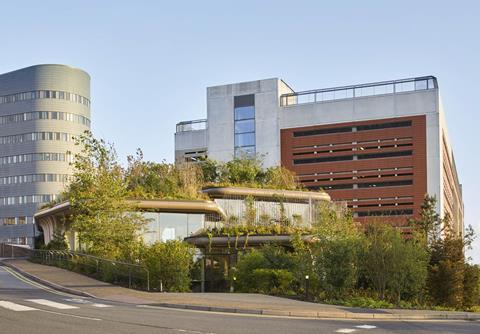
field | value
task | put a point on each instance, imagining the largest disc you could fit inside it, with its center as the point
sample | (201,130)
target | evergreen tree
(58,241)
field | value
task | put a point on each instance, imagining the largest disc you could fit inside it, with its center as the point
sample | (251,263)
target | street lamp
(307,279)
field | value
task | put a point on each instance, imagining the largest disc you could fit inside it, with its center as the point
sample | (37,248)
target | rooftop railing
(198,124)
(348,92)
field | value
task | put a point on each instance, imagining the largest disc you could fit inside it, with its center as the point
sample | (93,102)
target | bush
(169,263)
(268,270)
(273,281)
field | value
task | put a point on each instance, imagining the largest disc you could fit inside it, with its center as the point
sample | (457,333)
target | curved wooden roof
(177,206)
(220,192)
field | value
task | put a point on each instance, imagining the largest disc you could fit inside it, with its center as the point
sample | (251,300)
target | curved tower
(42,108)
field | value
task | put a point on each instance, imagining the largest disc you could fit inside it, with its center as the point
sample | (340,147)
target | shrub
(273,281)
(268,270)
(169,263)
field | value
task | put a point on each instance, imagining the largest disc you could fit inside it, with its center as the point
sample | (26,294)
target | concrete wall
(221,119)
(35,78)
(189,141)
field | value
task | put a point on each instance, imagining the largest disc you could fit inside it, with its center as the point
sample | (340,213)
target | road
(28,307)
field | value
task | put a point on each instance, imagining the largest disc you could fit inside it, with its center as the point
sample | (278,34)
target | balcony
(348,92)
(186,126)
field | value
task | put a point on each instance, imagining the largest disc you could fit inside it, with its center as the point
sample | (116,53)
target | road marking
(100,305)
(366,327)
(86,302)
(32,283)
(49,303)
(77,300)
(346,330)
(15,307)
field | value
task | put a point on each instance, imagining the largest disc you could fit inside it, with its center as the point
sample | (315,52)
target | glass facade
(164,226)
(29,178)
(36,136)
(30,157)
(50,115)
(27,199)
(45,94)
(244,124)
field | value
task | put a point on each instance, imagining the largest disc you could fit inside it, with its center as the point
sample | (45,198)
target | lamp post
(232,287)
(307,279)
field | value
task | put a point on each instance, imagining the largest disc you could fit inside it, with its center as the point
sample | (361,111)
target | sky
(151,61)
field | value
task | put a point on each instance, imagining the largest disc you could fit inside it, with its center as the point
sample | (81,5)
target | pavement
(240,303)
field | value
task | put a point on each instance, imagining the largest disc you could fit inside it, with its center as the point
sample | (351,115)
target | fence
(371,89)
(129,275)
(13,251)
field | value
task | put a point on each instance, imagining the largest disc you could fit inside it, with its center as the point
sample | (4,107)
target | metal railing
(370,89)
(124,274)
(198,124)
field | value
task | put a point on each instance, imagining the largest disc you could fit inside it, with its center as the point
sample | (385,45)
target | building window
(44,94)
(244,124)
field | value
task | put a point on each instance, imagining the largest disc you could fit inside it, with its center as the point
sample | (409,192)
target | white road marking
(49,303)
(346,330)
(100,305)
(366,327)
(15,307)
(86,302)
(77,300)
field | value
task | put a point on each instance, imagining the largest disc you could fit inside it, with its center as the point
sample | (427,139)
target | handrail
(96,267)
(360,90)
(193,125)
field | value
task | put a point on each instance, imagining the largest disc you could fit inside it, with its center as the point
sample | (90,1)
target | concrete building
(380,146)
(42,108)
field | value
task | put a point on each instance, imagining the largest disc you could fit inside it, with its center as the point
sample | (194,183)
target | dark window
(321,131)
(386,184)
(244,101)
(325,159)
(385,213)
(332,187)
(384,125)
(384,155)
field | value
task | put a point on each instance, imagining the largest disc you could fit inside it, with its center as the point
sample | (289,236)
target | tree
(429,225)
(105,223)
(146,179)
(281,178)
(243,171)
(471,285)
(58,241)
(395,266)
(210,170)
(446,248)
(169,263)
(334,252)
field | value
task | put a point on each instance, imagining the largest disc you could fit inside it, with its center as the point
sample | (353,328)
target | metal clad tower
(42,108)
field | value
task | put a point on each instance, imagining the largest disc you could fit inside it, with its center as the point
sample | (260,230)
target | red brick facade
(378,167)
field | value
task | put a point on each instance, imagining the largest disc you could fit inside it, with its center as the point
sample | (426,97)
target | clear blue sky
(150,61)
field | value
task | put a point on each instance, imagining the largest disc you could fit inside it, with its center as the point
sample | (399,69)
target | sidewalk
(219,302)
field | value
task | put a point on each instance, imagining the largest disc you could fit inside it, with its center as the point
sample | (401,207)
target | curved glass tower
(42,109)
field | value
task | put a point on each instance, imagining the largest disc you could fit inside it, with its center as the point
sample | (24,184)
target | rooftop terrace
(362,90)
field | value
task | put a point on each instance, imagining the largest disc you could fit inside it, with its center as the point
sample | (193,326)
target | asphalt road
(27,307)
